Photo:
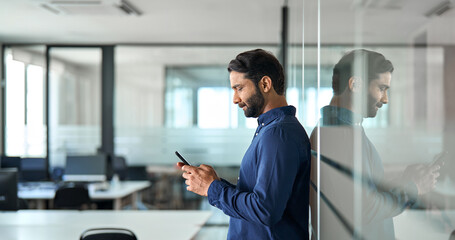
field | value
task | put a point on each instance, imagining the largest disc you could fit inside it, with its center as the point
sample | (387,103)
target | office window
(214,108)
(181,114)
(201,97)
(25,129)
(35,111)
(15,107)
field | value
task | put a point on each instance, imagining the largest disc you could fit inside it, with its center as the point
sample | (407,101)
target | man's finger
(179,165)
(188,168)
(435,167)
(205,167)
(437,174)
(186,175)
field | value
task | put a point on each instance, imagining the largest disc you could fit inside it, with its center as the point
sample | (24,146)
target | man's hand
(424,176)
(199,178)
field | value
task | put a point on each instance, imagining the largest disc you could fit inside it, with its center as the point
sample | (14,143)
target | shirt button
(256,134)
(262,124)
(238,178)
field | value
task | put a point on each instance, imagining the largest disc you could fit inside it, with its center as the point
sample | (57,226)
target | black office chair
(23,204)
(72,197)
(120,167)
(137,173)
(108,234)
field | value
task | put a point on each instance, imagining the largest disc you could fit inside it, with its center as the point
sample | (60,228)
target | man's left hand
(199,178)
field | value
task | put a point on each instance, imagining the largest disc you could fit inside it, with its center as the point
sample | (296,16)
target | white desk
(424,224)
(115,193)
(63,224)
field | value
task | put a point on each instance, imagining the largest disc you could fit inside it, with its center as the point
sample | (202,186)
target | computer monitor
(11,162)
(85,168)
(8,189)
(33,169)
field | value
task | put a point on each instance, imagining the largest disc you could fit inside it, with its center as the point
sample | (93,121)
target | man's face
(246,95)
(377,93)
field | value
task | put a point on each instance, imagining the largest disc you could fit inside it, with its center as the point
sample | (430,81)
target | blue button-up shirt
(270,200)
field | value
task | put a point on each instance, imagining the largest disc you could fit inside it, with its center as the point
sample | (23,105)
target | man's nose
(236,99)
(385,98)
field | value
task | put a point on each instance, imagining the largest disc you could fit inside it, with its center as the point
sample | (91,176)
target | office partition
(364,169)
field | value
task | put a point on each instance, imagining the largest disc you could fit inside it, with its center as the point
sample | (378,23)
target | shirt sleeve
(382,199)
(381,203)
(278,165)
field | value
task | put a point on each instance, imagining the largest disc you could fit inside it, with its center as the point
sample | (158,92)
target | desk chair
(137,173)
(23,204)
(120,167)
(72,197)
(108,234)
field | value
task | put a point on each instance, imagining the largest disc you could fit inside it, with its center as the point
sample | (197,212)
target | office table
(424,224)
(115,193)
(69,224)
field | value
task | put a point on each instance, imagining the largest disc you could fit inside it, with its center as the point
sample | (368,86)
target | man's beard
(372,104)
(254,104)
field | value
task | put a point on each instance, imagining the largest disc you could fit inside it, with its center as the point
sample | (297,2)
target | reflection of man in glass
(270,200)
(360,203)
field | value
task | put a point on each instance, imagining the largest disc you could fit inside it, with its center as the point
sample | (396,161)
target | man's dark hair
(371,64)
(259,63)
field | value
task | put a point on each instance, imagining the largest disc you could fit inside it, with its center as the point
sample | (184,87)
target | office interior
(130,87)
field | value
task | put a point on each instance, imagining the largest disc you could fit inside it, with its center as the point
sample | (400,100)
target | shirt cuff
(411,193)
(214,192)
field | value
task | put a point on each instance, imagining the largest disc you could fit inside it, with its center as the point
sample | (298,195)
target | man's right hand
(198,179)
(423,175)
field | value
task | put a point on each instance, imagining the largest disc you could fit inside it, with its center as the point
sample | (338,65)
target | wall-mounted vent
(91,7)
(440,9)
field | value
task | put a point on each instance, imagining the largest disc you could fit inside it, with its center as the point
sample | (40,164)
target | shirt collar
(333,115)
(273,114)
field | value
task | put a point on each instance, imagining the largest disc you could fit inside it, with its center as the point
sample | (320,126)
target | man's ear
(265,84)
(355,84)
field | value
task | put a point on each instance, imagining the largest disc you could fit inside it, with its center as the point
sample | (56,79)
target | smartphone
(181,158)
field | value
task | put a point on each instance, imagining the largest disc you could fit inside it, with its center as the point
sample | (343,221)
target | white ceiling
(231,22)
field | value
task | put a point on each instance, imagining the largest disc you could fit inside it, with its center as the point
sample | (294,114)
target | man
(366,204)
(270,200)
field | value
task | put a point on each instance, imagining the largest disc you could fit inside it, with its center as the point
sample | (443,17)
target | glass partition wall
(382,164)
(74,102)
